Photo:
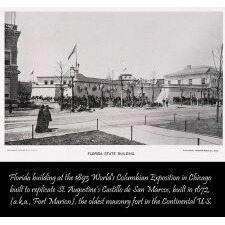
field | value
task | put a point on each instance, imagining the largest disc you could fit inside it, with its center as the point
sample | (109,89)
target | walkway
(159,136)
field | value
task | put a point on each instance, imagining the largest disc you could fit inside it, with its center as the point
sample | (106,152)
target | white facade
(192,76)
(196,81)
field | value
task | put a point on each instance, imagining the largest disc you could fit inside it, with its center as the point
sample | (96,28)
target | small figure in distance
(167,102)
(10,107)
(163,102)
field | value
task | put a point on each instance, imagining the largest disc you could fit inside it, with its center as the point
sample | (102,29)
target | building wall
(196,79)
(11,68)
(93,88)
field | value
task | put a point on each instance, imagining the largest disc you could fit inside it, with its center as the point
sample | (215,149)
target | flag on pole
(124,69)
(32,73)
(73,51)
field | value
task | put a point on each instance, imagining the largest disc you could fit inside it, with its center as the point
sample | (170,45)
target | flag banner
(32,73)
(73,51)
(112,189)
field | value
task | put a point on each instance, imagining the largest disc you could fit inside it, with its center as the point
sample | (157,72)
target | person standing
(167,102)
(10,108)
(47,116)
(41,121)
(197,100)
(163,102)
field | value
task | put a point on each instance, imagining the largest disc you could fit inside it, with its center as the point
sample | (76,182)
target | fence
(133,127)
(185,118)
(29,129)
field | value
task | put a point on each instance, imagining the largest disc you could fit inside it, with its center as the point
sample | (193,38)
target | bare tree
(110,78)
(141,82)
(61,71)
(153,86)
(132,85)
(181,91)
(101,87)
(218,64)
(86,92)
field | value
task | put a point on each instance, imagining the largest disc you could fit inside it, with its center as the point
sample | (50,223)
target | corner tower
(11,51)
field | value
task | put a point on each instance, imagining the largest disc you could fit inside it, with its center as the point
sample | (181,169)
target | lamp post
(153,87)
(86,90)
(142,94)
(73,75)
(121,97)
(153,91)
(132,84)
(141,82)
(101,88)
(181,91)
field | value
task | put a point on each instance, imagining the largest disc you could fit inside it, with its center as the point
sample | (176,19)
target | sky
(142,42)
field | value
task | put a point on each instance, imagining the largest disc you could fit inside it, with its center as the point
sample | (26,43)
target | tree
(132,85)
(181,91)
(61,71)
(142,82)
(101,87)
(24,93)
(218,64)
(153,86)
(86,92)
(110,77)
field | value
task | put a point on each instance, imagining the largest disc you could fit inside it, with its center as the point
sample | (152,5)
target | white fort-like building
(192,81)
(49,86)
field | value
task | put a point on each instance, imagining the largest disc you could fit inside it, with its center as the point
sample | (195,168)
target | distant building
(192,81)
(11,67)
(49,86)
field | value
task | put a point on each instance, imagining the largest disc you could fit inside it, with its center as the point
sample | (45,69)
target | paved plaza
(118,121)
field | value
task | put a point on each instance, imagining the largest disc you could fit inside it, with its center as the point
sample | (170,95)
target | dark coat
(47,116)
(41,122)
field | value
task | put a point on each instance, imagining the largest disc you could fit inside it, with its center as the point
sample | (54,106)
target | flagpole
(76,54)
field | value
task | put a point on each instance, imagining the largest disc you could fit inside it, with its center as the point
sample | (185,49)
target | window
(7,58)
(203,80)
(179,82)
(51,82)
(7,88)
(169,82)
(190,81)
(46,82)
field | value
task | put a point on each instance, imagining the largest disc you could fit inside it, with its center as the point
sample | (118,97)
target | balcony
(10,26)
(188,85)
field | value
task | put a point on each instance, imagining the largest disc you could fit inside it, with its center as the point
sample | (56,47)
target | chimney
(188,67)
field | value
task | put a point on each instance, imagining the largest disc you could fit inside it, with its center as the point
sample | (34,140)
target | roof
(192,70)
(82,78)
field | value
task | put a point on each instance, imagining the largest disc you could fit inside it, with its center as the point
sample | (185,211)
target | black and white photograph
(114,77)
(111,111)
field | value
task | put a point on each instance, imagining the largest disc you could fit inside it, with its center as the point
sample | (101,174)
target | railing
(133,127)
(10,26)
(197,140)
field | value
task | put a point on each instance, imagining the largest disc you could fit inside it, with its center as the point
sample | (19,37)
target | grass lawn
(82,138)
(207,127)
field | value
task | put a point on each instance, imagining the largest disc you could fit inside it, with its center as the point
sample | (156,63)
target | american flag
(73,51)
